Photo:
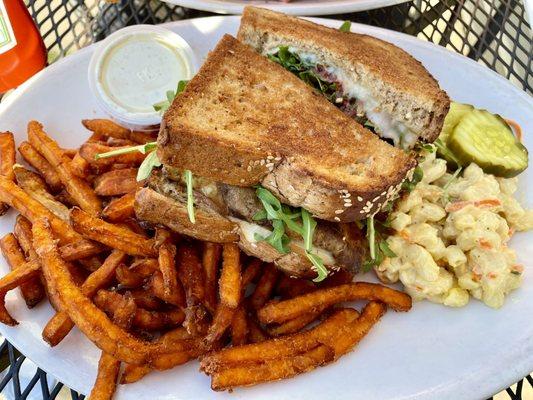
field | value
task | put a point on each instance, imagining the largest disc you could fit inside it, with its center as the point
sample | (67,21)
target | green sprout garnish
(445,188)
(163,106)
(142,148)
(150,162)
(309,225)
(345,27)
(377,244)
(285,217)
(306,71)
(446,152)
(190,198)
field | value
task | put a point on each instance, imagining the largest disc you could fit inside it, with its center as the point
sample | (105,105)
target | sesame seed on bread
(244,120)
(400,83)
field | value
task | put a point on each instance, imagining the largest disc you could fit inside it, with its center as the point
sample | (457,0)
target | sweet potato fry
(111,235)
(273,370)
(38,162)
(345,340)
(123,311)
(26,241)
(106,379)
(145,299)
(230,277)
(133,373)
(157,320)
(113,303)
(90,264)
(60,324)
(170,360)
(286,346)
(119,210)
(18,276)
(32,209)
(291,287)
(177,334)
(7,160)
(5,317)
(221,322)
(88,318)
(80,166)
(251,272)
(7,155)
(296,324)
(106,127)
(136,274)
(116,182)
(157,288)
(32,290)
(177,338)
(255,333)
(114,142)
(75,186)
(65,198)
(35,186)
(265,286)
(167,263)
(89,151)
(21,274)
(210,262)
(191,275)
(239,327)
(293,308)
(70,153)
(78,250)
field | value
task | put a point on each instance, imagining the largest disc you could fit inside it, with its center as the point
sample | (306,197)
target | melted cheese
(249,231)
(385,124)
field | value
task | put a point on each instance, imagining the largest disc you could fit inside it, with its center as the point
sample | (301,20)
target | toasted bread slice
(386,78)
(159,209)
(244,120)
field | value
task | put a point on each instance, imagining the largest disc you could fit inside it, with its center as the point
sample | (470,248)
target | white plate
(295,7)
(432,352)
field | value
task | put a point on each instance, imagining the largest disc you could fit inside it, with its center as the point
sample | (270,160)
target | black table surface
(494,33)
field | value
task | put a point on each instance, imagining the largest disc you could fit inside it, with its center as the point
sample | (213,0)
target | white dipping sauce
(134,68)
(138,71)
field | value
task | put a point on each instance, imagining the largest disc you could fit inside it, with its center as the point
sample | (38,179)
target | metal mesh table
(495,33)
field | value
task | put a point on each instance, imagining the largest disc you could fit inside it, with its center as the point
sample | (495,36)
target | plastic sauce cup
(133,69)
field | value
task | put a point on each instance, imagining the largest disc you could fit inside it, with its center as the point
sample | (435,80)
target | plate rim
(309,9)
(525,362)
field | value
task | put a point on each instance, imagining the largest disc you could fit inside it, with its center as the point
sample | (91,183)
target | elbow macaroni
(451,237)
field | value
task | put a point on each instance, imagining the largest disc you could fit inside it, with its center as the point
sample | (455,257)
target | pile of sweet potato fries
(152,299)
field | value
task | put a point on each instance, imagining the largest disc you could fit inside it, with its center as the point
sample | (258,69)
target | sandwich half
(369,79)
(243,125)
(245,121)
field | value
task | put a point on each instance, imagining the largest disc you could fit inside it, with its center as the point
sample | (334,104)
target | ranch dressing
(134,68)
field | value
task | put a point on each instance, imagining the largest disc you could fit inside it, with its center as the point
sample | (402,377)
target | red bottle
(22,51)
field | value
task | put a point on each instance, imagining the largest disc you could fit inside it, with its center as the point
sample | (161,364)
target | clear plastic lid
(134,68)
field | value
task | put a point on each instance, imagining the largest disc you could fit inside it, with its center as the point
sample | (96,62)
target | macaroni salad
(450,236)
